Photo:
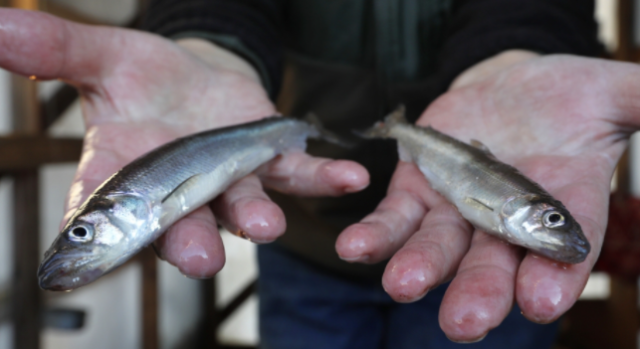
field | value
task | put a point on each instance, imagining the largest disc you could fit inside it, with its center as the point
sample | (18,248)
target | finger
(245,210)
(398,215)
(193,244)
(35,43)
(481,294)
(620,85)
(382,232)
(300,174)
(430,257)
(546,289)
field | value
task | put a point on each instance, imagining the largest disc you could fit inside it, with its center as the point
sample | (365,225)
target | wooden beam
(207,331)
(626,50)
(149,295)
(26,296)
(53,108)
(624,319)
(5,305)
(24,104)
(236,302)
(25,4)
(25,152)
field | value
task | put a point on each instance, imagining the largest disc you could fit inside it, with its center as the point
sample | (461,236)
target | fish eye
(553,219)
(80,233)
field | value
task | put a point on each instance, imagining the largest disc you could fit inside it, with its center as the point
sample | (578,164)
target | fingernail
(350,190)
(356,246)
(546,299)
(337,175)
(405,287)
(361,258)
(193,251)
(256,222)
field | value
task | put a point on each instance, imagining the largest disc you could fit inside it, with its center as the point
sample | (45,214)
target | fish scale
(493,196)
(141,201)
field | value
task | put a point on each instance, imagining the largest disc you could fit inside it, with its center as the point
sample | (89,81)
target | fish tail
(326,134)
(381,128)
(397,116)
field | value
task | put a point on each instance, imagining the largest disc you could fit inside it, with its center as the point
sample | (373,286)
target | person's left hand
(564,121)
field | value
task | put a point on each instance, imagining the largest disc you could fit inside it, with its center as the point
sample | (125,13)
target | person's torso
(350,62)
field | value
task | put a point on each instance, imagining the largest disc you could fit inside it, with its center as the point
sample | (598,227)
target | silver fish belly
(137,204)
(491,195)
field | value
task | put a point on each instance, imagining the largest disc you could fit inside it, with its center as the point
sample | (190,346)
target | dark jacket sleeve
(479,29)
(250,28)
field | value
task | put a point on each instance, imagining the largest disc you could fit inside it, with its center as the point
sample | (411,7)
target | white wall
(606,15)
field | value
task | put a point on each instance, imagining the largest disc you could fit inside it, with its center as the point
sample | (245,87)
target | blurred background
(148,303)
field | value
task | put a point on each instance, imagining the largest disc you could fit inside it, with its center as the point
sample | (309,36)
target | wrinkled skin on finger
(139,91)
(563,121)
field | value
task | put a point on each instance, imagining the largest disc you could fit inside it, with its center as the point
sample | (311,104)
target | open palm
(140,91)
(564,122)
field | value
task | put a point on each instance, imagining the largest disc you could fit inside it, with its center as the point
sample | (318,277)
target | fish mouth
(50,274)
(57,273)
(573,252)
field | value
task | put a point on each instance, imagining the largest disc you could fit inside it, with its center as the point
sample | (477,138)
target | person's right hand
(139,91)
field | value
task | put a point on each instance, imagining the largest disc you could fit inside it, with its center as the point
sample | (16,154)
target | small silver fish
(136,205)
(492,195)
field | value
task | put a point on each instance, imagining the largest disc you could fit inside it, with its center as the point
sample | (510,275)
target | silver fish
(492,195)
(136,205)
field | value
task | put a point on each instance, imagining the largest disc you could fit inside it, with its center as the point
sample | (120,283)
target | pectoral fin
(179,194)
(476,203)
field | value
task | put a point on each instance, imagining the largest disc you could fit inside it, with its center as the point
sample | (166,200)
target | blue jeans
(305,306)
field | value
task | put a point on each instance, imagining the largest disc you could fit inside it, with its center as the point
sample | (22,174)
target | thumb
(35,43)
(622,85)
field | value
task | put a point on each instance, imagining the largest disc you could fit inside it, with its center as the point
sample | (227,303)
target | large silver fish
(137,204)
(492,195)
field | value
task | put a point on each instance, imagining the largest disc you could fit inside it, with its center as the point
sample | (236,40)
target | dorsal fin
(397,116)
(477,144)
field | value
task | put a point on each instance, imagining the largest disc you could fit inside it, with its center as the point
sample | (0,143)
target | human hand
(564,121)
(139,91)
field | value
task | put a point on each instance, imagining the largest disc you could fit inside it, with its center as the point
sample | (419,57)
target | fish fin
(397,116)
(327,135)
(378,130)
(179,191)
(381,128)
(477,203)
(477,144)
(404,153)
